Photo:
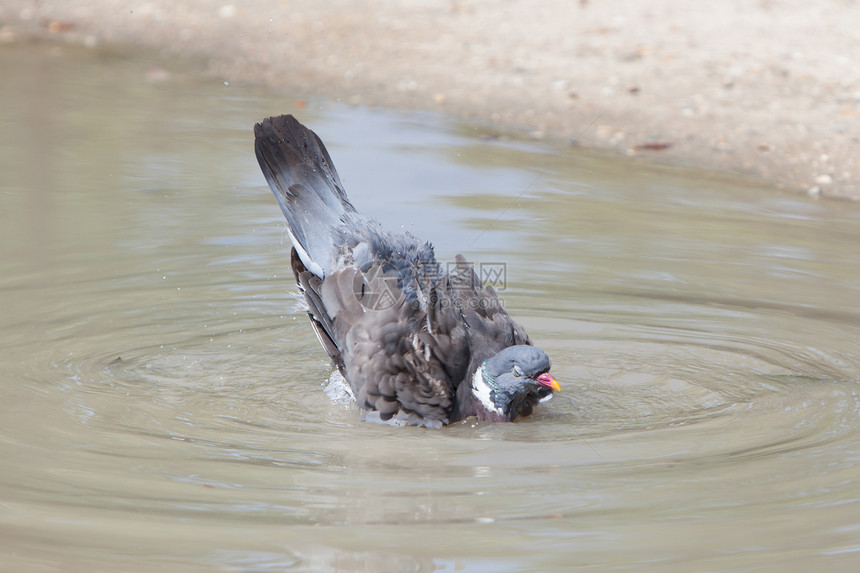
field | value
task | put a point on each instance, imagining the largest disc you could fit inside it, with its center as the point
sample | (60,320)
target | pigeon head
(514,380)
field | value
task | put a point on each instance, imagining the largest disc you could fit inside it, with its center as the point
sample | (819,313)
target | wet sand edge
(768,91)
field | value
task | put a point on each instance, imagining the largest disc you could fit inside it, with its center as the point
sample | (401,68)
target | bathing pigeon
(417,344)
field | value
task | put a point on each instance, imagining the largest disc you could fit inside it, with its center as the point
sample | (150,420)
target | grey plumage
(408,338)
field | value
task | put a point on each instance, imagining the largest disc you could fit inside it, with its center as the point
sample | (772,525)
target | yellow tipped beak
(546,380)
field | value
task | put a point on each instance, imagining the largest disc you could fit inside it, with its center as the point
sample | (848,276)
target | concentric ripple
(163,394)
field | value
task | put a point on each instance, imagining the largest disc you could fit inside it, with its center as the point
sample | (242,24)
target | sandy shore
(768,88)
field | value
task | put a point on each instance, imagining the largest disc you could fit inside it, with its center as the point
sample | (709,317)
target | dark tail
(305,183)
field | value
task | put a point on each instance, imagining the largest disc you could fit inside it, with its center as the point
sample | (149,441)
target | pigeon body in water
(416,345)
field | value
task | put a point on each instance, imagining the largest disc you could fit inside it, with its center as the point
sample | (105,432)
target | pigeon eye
(517,371)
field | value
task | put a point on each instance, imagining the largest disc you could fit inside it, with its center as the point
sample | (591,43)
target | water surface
(162,391)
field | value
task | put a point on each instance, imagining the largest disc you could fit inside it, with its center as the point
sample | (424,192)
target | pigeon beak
(548,381)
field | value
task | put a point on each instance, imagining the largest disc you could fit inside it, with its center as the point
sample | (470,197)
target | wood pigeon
(417,344)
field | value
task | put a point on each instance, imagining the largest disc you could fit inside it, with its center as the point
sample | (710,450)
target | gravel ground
(769,88)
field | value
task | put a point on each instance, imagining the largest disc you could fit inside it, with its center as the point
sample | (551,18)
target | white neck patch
(481,390)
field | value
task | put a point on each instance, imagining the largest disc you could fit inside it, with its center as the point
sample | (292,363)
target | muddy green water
(162,405)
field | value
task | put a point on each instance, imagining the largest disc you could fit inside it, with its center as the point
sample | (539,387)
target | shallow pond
(162,392)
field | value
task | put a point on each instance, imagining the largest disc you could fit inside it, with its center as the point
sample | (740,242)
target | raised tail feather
(305,183)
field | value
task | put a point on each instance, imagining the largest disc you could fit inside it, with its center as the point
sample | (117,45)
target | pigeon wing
(491,327)
(393,363)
